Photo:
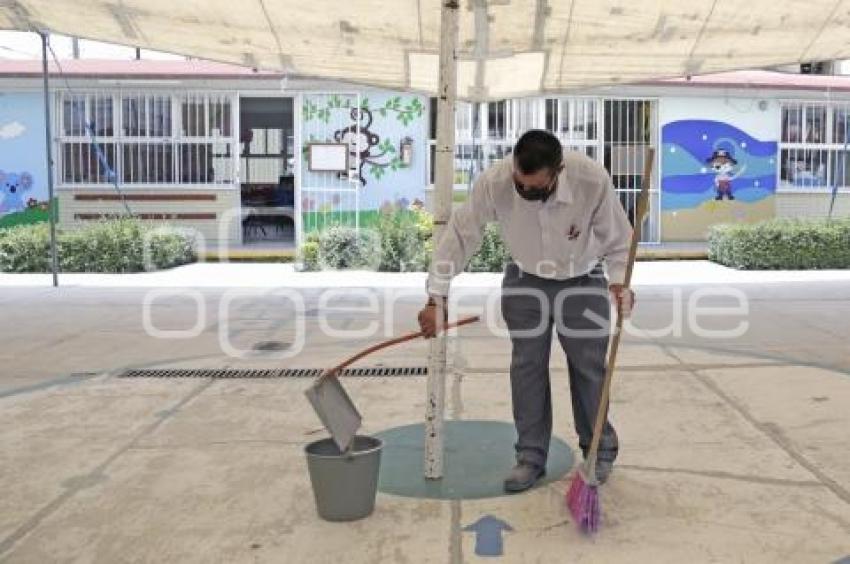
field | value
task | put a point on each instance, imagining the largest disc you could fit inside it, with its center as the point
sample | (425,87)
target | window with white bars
(629,130)
(486,132)
(575,122)
(813,148)
(146,139)
(614,132)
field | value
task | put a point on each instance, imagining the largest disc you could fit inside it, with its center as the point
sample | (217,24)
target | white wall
(760,117)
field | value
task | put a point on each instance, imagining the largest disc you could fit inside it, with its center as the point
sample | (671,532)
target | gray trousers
(579,310)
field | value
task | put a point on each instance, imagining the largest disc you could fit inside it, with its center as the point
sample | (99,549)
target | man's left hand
(623,298)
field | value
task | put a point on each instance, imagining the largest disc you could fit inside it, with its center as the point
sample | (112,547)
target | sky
(25,45)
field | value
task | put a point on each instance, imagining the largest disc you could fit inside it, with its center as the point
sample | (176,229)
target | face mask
(538,194)
(534,194)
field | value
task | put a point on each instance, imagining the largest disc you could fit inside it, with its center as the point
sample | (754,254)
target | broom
(583,494)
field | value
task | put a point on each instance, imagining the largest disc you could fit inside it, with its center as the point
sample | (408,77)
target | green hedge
(782,244)
(25,248)
(405,240)
(340,247)
(399,241)
(121,245)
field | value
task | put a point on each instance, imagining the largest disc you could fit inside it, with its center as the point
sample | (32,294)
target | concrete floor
(733,450)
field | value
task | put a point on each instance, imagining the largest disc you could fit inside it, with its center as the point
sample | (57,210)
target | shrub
(121,245)
(105,246)
(167,248)
(404,244)
(347,248)
(25,248)
(405,240)
(786,244)
(308,255)
(493,255)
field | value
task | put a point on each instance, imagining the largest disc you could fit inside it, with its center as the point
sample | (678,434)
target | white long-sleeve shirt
(563,237)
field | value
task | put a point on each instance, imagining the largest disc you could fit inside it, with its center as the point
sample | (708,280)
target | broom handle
(602,410)
(374,348)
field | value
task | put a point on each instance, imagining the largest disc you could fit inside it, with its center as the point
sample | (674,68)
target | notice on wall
(328,157)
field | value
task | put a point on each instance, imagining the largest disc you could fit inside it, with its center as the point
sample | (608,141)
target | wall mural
(387,131)
(379,155)
(12,189)
(713,172)
(23,172)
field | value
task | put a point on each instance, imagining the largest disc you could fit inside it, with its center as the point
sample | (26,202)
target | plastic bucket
(344,484)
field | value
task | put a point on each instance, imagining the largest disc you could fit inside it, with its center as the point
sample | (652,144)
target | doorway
(267,164)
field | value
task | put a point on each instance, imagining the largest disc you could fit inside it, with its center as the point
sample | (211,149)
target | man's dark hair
(537,149)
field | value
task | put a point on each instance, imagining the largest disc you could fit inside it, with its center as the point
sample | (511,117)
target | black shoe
(522,477)
(603,470)
(603,467)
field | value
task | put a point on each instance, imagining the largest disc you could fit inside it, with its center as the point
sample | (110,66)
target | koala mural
(12,188)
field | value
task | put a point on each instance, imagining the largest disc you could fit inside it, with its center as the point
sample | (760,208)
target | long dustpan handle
(602,410)
(374,348)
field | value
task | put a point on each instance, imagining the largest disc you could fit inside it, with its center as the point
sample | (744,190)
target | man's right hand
(429,315)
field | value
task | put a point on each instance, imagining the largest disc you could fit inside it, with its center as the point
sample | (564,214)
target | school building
(259,158)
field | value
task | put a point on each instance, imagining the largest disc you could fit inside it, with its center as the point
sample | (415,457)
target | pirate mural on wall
(715,171)
(723,164)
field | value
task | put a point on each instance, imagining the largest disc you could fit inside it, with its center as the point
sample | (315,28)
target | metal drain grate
(365,371)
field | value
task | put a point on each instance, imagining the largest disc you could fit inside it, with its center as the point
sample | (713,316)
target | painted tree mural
(380,155)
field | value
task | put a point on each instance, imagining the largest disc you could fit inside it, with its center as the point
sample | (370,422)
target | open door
(267,183)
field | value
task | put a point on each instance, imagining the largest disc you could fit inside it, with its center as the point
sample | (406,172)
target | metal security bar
(814,146)
(614,132)
(146,138)
(575,121)
(469,150)
(205,145)
(83,116)
(332,198)
(147,154)
(524,114)
(629,128)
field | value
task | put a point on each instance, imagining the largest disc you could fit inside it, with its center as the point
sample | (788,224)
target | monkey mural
(362,144)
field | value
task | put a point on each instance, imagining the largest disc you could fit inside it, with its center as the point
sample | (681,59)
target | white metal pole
(298,140)
(51,206)
(443,183)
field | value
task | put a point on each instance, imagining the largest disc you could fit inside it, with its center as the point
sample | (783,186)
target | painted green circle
(478,456)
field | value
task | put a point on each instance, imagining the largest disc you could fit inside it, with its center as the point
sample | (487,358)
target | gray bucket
(344,484)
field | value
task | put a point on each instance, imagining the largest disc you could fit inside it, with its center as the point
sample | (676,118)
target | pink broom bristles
(583,501)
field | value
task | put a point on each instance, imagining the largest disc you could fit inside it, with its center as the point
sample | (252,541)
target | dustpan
(334,407)
(332,403)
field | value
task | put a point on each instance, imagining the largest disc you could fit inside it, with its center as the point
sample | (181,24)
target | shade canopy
(508,48)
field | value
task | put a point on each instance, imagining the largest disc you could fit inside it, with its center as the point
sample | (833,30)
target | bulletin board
(328,157)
